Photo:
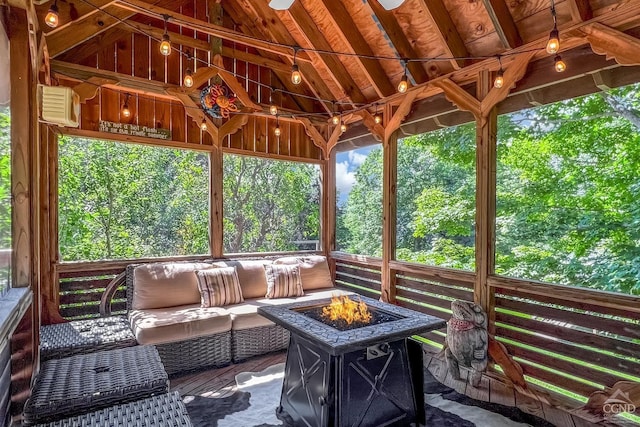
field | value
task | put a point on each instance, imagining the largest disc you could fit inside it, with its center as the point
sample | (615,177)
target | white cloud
(344,179)
(356,159)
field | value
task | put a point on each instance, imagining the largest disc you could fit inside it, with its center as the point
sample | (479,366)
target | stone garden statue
(467,340)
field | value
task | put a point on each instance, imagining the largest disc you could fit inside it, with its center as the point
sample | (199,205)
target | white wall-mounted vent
(59,105)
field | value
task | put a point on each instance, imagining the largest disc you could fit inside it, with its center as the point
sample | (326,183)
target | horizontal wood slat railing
(570,338)
(359,274)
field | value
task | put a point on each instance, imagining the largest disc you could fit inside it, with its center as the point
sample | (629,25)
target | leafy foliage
(5,198)
(269,204)
(568,195)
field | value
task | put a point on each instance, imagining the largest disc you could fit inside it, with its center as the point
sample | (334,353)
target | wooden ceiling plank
(447,32)
(283,77)
(348,31)
(94,45)
(580,10)
(503,22)
(315,39)
(269,25)
(139,6)
(399,40)
(614,44)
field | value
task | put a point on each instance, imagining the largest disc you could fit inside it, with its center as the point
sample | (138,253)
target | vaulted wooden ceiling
(351,51)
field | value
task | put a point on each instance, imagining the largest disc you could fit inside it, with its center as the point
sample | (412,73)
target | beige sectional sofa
(164,309)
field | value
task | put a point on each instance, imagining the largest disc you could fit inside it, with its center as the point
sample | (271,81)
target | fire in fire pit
(344,314)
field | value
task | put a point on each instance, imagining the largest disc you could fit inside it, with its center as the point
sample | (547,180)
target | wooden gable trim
(614,44)
(503,22)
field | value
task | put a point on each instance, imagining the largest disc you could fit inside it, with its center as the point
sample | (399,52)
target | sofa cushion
(166,284)
(314,270)
(163,325)
(245,315)
(218,287)
(283,281)
(250,274)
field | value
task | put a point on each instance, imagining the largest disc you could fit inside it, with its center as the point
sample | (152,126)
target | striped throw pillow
(219,286)
(283,281)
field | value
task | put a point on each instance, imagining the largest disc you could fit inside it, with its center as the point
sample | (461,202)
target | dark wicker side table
(87,382)
(165,410)
(85,336)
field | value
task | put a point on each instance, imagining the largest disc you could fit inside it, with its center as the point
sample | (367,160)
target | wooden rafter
(67,15)
(314,39)
(447,32)
(140,6)
(399,40)
(348,30)
(95,44)
(242,20)
(504,23)
(614,44)
(580,10)
(269,25)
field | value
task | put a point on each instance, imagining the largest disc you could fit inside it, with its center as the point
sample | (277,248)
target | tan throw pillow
(314,270)
(283,281)
(218,287)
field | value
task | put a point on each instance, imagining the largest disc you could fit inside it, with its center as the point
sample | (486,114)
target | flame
(344,308)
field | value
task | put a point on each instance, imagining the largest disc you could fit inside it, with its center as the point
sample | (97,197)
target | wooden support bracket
(399,115)
(376,129)
(89,89)
(614,44)
(316,137)
(233,125)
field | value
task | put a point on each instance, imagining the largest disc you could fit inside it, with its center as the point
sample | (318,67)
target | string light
(188,78)
(335,119)
(403,86)
(377,118)
(52,18)
(126,112)
(165,45)
(343,125)
(499,80)
(203,125)
(277,130)
(553,45)
(296,77)
(273,109)
(559,65)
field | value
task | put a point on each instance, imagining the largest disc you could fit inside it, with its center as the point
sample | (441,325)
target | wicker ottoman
(165,410)
(85,336)
(87,382)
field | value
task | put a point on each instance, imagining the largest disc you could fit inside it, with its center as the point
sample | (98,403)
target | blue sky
(347,163)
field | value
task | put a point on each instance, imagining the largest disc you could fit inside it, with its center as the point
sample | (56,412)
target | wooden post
(216,208)
(486,129)
(328,205)
(389,180)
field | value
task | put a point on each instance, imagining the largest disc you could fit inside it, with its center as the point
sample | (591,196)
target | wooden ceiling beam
(94,44)
(399,40)
(269,24)
(139,6)
(315,40)
(580,10)
(348,31)
(68,12)
(447,32)
(503,22)
(238,15)
(183,40)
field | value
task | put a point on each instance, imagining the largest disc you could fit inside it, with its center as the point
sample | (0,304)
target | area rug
(254,401)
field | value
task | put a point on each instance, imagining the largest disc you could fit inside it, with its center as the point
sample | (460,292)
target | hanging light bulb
(335,119)
(377,118)
(277,130)
(403,86)
(296,77)
(273,110)
(499,80)
(559,65)
(188,78)
(203,125)
(51,19)
(126,112)
(343,127)
(165,45)
(553,45)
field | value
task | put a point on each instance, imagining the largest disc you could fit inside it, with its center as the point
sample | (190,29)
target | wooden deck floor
(221,382)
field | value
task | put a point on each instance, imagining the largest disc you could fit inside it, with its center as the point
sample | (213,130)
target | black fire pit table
(362,376)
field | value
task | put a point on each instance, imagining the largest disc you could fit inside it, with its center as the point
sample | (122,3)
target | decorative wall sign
(217,102)
(134,130)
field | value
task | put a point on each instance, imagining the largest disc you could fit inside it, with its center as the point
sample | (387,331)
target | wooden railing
(579,340)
